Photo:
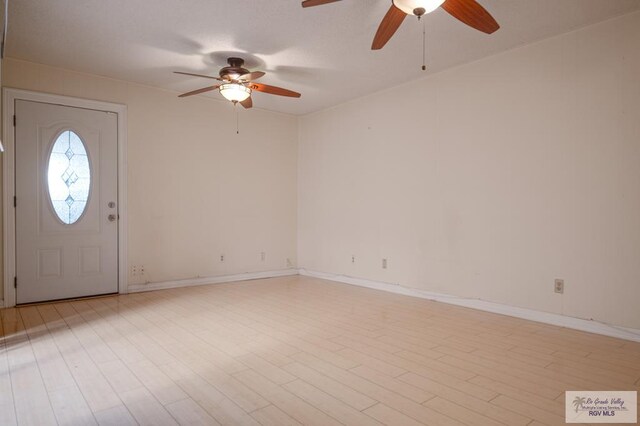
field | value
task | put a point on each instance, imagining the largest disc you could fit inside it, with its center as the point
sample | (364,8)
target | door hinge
(15,201)
(14,120)
(15,282)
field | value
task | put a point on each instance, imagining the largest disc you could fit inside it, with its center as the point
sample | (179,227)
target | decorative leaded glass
(69,177)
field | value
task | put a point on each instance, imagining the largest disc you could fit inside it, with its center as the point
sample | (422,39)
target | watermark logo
(601,406)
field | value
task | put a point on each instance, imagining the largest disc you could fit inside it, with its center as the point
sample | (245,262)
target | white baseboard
(161,285)
(529,314)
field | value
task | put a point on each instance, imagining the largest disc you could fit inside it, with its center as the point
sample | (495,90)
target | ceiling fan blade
(388,27)
(309,3)
(273,90)
(471,13)
(247,103)
(195,92)
(198,75)
(251,76)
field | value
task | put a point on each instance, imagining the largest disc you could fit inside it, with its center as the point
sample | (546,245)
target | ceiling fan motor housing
(235,69)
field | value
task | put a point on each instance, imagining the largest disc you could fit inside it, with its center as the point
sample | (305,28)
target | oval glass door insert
(69,177)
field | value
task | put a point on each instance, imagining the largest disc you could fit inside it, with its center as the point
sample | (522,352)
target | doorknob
(112,218)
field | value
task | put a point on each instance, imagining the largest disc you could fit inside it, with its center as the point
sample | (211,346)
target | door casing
(9,96)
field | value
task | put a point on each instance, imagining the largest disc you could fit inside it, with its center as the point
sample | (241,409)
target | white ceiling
(322,52)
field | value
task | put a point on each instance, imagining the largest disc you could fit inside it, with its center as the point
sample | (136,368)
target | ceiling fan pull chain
(424,45)
(237,119)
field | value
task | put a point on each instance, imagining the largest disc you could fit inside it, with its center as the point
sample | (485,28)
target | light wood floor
(291,351)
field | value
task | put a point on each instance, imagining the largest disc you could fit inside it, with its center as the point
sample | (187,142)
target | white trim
(512,311)
(9,96)
(245,276)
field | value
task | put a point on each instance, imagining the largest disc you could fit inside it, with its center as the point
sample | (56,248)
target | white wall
(489,180)
(196,189)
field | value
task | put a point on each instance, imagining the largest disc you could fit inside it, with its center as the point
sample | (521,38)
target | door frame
(9,98)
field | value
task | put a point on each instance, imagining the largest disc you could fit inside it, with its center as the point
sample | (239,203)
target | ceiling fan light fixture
(418,7)
(235,92)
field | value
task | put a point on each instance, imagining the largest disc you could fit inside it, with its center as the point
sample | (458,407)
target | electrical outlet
(141,270)
(353,259)
(263,256)
(558,286)
(384,263)
(222,258)
(134,270)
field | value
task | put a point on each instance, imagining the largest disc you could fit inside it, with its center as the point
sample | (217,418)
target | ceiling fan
(468,11)
(237,84)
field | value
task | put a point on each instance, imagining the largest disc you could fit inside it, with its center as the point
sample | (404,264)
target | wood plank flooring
(293,351)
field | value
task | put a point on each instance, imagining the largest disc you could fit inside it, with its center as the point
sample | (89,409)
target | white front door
(66,194)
